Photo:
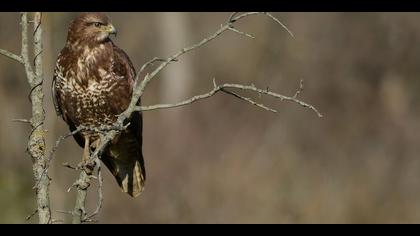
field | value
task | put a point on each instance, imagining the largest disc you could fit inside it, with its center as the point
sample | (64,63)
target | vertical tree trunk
(36,144)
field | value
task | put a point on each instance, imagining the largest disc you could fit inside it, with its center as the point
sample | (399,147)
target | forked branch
(36,143)
(224,87)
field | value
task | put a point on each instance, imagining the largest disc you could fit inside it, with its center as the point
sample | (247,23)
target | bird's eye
(97,24)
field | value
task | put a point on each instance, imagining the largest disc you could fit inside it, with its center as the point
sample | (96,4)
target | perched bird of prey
(92,84)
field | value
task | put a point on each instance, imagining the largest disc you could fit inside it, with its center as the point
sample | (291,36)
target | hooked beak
(111,30)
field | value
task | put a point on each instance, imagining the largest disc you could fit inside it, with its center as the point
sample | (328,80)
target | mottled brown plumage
(92,84)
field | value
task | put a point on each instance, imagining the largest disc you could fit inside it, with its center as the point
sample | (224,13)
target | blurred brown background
(224,161)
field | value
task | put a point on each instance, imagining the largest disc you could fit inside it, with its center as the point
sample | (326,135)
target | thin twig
(276,95)
(230,20)
(53,150)
(280,23)
(151,62)
(248,100)
(24,49)
(223,88)
(22,121)
(31,215)
(101,129)
(300,90)
(60,139)
(11,56)
(67,165)
(82,184)
(89,218)
(241,33)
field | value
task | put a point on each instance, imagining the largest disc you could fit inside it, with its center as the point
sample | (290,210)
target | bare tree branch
(248,100)
(31,215)
(151,62)
(276,95)
(90,218)
(24,49)
(232,16)
(79,213)
(280,23)
(241,33)
(22,121)
(52,152)
(216,89)
(300,90)
(82,185)
(223,88)
(11,56)
(36,143)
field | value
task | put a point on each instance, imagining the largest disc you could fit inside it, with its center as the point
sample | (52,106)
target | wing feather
(125,157)
(55,96)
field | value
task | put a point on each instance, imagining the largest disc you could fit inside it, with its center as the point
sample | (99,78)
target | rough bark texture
(79,207)
(36,144)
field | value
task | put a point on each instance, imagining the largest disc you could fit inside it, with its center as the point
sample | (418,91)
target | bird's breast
(97,102)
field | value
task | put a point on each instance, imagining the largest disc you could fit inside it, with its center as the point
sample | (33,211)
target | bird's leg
(87,163)
(86,152)
(95,144)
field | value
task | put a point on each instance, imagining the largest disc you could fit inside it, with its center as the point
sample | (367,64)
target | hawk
(92,84)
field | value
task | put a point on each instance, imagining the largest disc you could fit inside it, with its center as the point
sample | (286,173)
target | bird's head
(91,27)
